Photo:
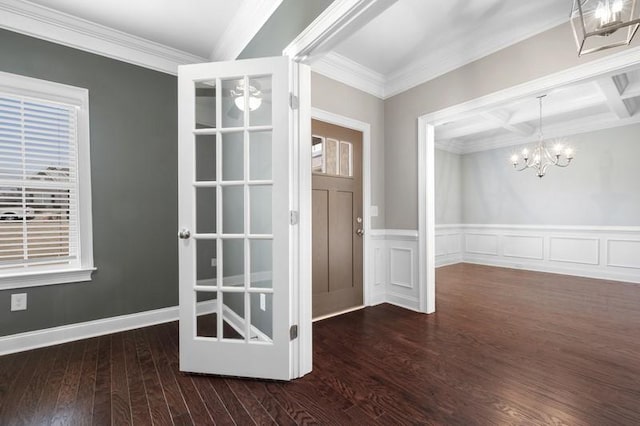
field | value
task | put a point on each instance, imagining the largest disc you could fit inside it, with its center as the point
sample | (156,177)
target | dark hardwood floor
(505,347)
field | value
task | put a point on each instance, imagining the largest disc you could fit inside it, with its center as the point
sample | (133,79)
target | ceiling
(415,40)
(603,102)
(208,29)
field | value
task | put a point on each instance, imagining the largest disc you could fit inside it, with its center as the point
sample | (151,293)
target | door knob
(360,232)
(184,234)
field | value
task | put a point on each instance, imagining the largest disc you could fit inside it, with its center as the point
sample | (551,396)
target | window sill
(40,278)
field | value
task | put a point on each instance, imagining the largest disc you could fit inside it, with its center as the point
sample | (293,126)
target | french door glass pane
(262,316)
(205,105)
(205,255)
(206,321)
(233,262)
(233,209)
(260,101)
(234,317)
(232,115)
(261,263)
(260,155)
(205,158)
(260,200)
(233,156)
(206,210)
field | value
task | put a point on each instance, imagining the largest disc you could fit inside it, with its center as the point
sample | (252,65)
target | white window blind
(38,183)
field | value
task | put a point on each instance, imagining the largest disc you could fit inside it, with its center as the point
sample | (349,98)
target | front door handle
(360,232)
(184,234)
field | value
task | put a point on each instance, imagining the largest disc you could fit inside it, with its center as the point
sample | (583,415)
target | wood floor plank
(28,404)
(120,399)
(11,408)
(101,412)
(140,413)
(505,347)
(175,401)
(155,395)
(68,393)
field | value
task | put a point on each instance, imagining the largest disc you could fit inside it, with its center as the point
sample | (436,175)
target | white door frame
(365,128)
(332,26)
(426,146)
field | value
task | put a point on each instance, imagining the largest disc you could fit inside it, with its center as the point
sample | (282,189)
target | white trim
(246,23)
(77,97)
(426,135)
(365,128)
(407,302)
(584,251)
(334,25)
(47,24)
(45,277)
(351,73)
(336,314)
(85,330)
(418,73)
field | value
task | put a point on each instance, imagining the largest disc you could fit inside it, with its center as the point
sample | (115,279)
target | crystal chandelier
(599,25)
(539,158)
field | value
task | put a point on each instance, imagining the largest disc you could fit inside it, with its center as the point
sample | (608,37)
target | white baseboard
(85,330)
(403,301)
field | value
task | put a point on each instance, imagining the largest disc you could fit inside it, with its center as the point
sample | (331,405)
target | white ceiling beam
(246,23)
(611,92)
(335,24)
(502,119)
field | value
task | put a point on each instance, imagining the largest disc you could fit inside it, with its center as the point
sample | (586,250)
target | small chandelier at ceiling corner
(255,96)
(603,24)
(539,158)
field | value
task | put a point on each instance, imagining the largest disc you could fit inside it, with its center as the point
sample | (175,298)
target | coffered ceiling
(603,102)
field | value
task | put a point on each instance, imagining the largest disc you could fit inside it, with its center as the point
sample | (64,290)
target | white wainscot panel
(441,245)
(379,276)
(481,244)
(575,250)
(623,253)
(523,246)
(401,266)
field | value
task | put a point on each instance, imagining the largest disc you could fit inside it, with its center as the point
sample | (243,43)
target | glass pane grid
(241,137)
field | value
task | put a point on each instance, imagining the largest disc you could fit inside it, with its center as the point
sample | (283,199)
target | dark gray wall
(134,187)
(289,19)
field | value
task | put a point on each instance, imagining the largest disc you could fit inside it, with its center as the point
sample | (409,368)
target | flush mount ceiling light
(603,24)
(539,158)
(254,95)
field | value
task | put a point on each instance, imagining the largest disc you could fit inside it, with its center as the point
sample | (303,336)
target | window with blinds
(38,187)
(45,183)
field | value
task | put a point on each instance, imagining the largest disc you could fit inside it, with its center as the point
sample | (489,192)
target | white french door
(234,218)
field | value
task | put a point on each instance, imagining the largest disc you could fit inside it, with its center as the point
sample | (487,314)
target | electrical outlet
(214,262)
(19,302)
(263,301)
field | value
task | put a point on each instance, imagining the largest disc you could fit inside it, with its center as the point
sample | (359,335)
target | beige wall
(541,55)
(338,98)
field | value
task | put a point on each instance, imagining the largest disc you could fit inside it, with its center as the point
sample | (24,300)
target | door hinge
(293,217)
(293,332)
(293,101)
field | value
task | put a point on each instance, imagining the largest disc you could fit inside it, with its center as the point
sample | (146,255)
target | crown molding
(340,68)
(428,69)
(47,24)
(242,28)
